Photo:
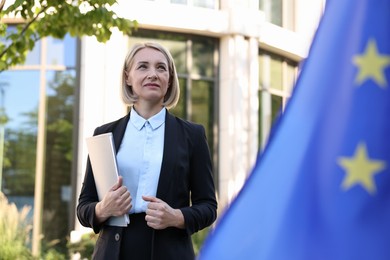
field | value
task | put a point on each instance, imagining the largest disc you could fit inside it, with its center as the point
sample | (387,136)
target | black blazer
(186,171)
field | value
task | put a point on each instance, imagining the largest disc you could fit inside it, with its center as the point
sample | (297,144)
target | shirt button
(117,237)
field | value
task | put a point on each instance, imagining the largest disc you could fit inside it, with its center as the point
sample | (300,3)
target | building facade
(237,62)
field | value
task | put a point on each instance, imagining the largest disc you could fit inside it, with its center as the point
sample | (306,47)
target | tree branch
(2,3)
(24,28)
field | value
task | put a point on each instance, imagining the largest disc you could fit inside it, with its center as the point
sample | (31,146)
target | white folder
(102,155)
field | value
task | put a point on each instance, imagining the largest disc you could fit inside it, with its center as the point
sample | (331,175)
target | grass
(14,231)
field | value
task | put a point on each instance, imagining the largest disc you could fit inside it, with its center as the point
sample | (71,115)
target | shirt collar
(155,121)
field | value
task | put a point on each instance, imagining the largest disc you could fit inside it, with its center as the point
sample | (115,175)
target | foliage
(18,168)
(20,147)
(53,254)
(56,18)
(58,157)
(199,238)
(14,231)
(85,246)
(52,250)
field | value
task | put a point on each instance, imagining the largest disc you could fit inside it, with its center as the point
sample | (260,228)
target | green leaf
(64,17)
(14,6)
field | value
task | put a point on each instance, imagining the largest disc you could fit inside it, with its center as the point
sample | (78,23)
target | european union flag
(321,189)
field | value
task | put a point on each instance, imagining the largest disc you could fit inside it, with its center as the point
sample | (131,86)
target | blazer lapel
(119,131)
(169,156)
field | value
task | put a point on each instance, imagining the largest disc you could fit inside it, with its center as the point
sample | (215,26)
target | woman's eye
(162,68)
(142,66)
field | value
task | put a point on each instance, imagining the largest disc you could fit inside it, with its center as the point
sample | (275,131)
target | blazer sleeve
(88,199)
(88,196)
(203,210)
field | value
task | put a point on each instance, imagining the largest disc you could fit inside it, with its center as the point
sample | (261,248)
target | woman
(164,163)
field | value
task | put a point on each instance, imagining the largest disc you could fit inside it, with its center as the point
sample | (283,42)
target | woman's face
(149,76)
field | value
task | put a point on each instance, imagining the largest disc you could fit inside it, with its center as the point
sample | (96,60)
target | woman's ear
(128,81)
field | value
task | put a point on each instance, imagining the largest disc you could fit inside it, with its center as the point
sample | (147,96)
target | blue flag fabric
(321,188)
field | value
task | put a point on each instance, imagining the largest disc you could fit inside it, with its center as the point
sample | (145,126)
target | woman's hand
(160,215)
(116,202)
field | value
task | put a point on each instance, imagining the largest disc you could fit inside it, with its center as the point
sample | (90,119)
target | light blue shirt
(140,156)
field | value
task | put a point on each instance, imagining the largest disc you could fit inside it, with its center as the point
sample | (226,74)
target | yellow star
(371,64)
(360,169)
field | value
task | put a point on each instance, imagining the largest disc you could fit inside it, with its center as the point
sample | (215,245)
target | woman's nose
(152,76)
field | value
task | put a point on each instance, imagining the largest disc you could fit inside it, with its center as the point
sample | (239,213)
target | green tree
(56,18)
(58,161)
(19,172)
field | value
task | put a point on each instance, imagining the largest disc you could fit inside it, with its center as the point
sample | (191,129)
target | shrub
(85,246)
(14,231)
(198,239)
(53,254)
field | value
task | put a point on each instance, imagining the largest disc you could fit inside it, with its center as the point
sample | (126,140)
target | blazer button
(117,237)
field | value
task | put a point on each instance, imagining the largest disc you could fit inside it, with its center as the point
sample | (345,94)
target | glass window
(263,74)
(33,57)
(55,51)
(184,2)
(212,4)
(279,12)
(203,58)
(277,77)
(20,97)
(273,10)
(198,3)
(178,51)
(20,92)
(205,3)
(291,76)
(58,156)
(201,103)
(276,73)
(180,109)
(271,71)
(61,52)
(260,123)
(276,104)
(19,108)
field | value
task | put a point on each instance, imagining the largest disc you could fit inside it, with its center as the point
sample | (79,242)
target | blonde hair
(173,93)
